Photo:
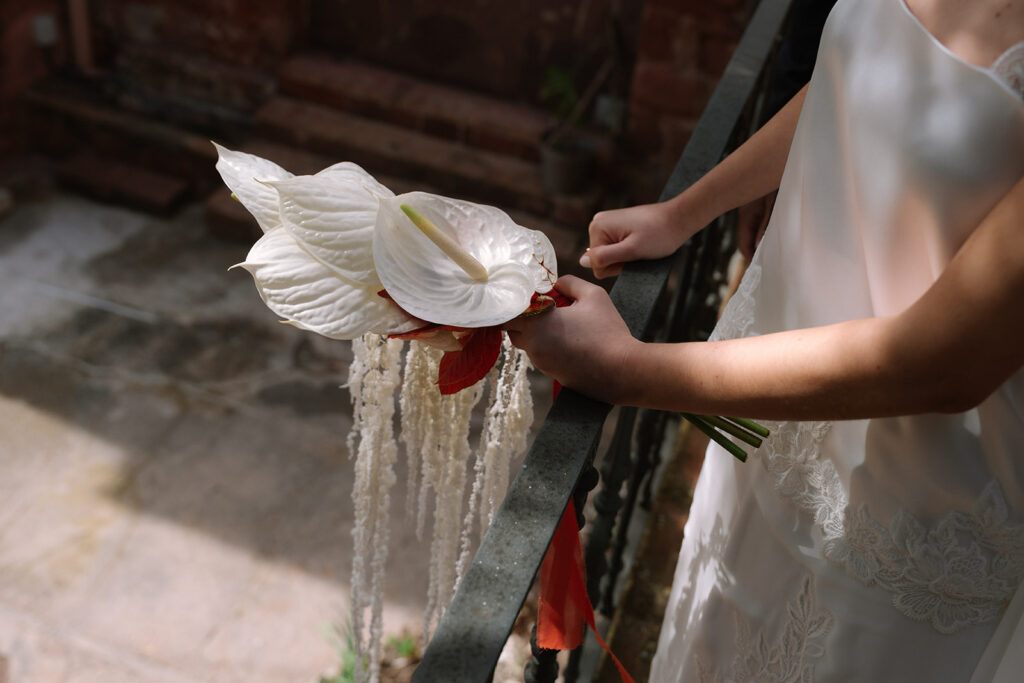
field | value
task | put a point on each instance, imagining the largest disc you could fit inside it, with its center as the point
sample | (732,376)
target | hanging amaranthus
(435,432)
(373,378)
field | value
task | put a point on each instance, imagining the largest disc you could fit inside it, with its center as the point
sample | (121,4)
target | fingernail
(585,260)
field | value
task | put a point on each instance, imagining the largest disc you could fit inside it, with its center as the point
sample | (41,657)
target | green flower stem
(717,437)
(733,429)
(750,425)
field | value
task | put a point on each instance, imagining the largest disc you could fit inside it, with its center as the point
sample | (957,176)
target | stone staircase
(409,133)
(477,121)
(114,154)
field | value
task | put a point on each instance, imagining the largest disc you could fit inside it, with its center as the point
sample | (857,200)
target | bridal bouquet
(343,256)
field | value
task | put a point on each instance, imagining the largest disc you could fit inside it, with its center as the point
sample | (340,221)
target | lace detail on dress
(959,572)
(738,317)
(791,457)
(1009,68)
(791,658)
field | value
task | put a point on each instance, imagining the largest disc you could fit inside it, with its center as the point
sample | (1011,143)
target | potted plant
(567,156)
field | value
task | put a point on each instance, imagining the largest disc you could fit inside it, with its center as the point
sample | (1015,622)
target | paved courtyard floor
(174,487)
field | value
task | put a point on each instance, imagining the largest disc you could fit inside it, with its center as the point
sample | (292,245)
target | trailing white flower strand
(373,378)
(503,437)
(448,482)
(420,403)
(435,433)
(505,432)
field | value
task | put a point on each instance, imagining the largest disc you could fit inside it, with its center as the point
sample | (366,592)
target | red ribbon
(564,604)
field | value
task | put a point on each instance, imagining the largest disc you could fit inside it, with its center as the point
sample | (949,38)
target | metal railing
(559,465)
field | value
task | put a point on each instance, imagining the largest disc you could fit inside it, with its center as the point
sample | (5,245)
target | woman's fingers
(631,234)
(567,285)
(600,271)
(582,345)
(607,259)
(574,287)
(606,252)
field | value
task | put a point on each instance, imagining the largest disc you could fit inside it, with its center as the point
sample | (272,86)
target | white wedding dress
(869,550)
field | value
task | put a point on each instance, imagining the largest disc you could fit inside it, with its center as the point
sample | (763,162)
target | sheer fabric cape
(868,550)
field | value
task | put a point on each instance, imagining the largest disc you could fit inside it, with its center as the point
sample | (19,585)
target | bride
(878,535)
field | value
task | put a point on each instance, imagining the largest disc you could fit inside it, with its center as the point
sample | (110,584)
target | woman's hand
(654,230)
(585,346)
(647,231)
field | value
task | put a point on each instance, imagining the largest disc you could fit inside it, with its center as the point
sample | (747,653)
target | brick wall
(237,32)
(683,47)
(492,46)
(204,64)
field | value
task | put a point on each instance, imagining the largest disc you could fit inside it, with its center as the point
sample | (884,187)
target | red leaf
(461,369)
(561,300)
(439,336)
(538,304)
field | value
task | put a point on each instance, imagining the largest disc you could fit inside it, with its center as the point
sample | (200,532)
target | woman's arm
(945,353)
(655,230)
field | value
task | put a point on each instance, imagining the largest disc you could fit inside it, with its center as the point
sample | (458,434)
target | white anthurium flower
(314,264)
(333,240)
(311,296)
(240,172)
(332,215)
(429,283)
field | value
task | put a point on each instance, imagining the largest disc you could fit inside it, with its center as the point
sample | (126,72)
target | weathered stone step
(123,183)
(187,89)
(454,168)
(476,120)
(150,74)
(68,118)
(228,219)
